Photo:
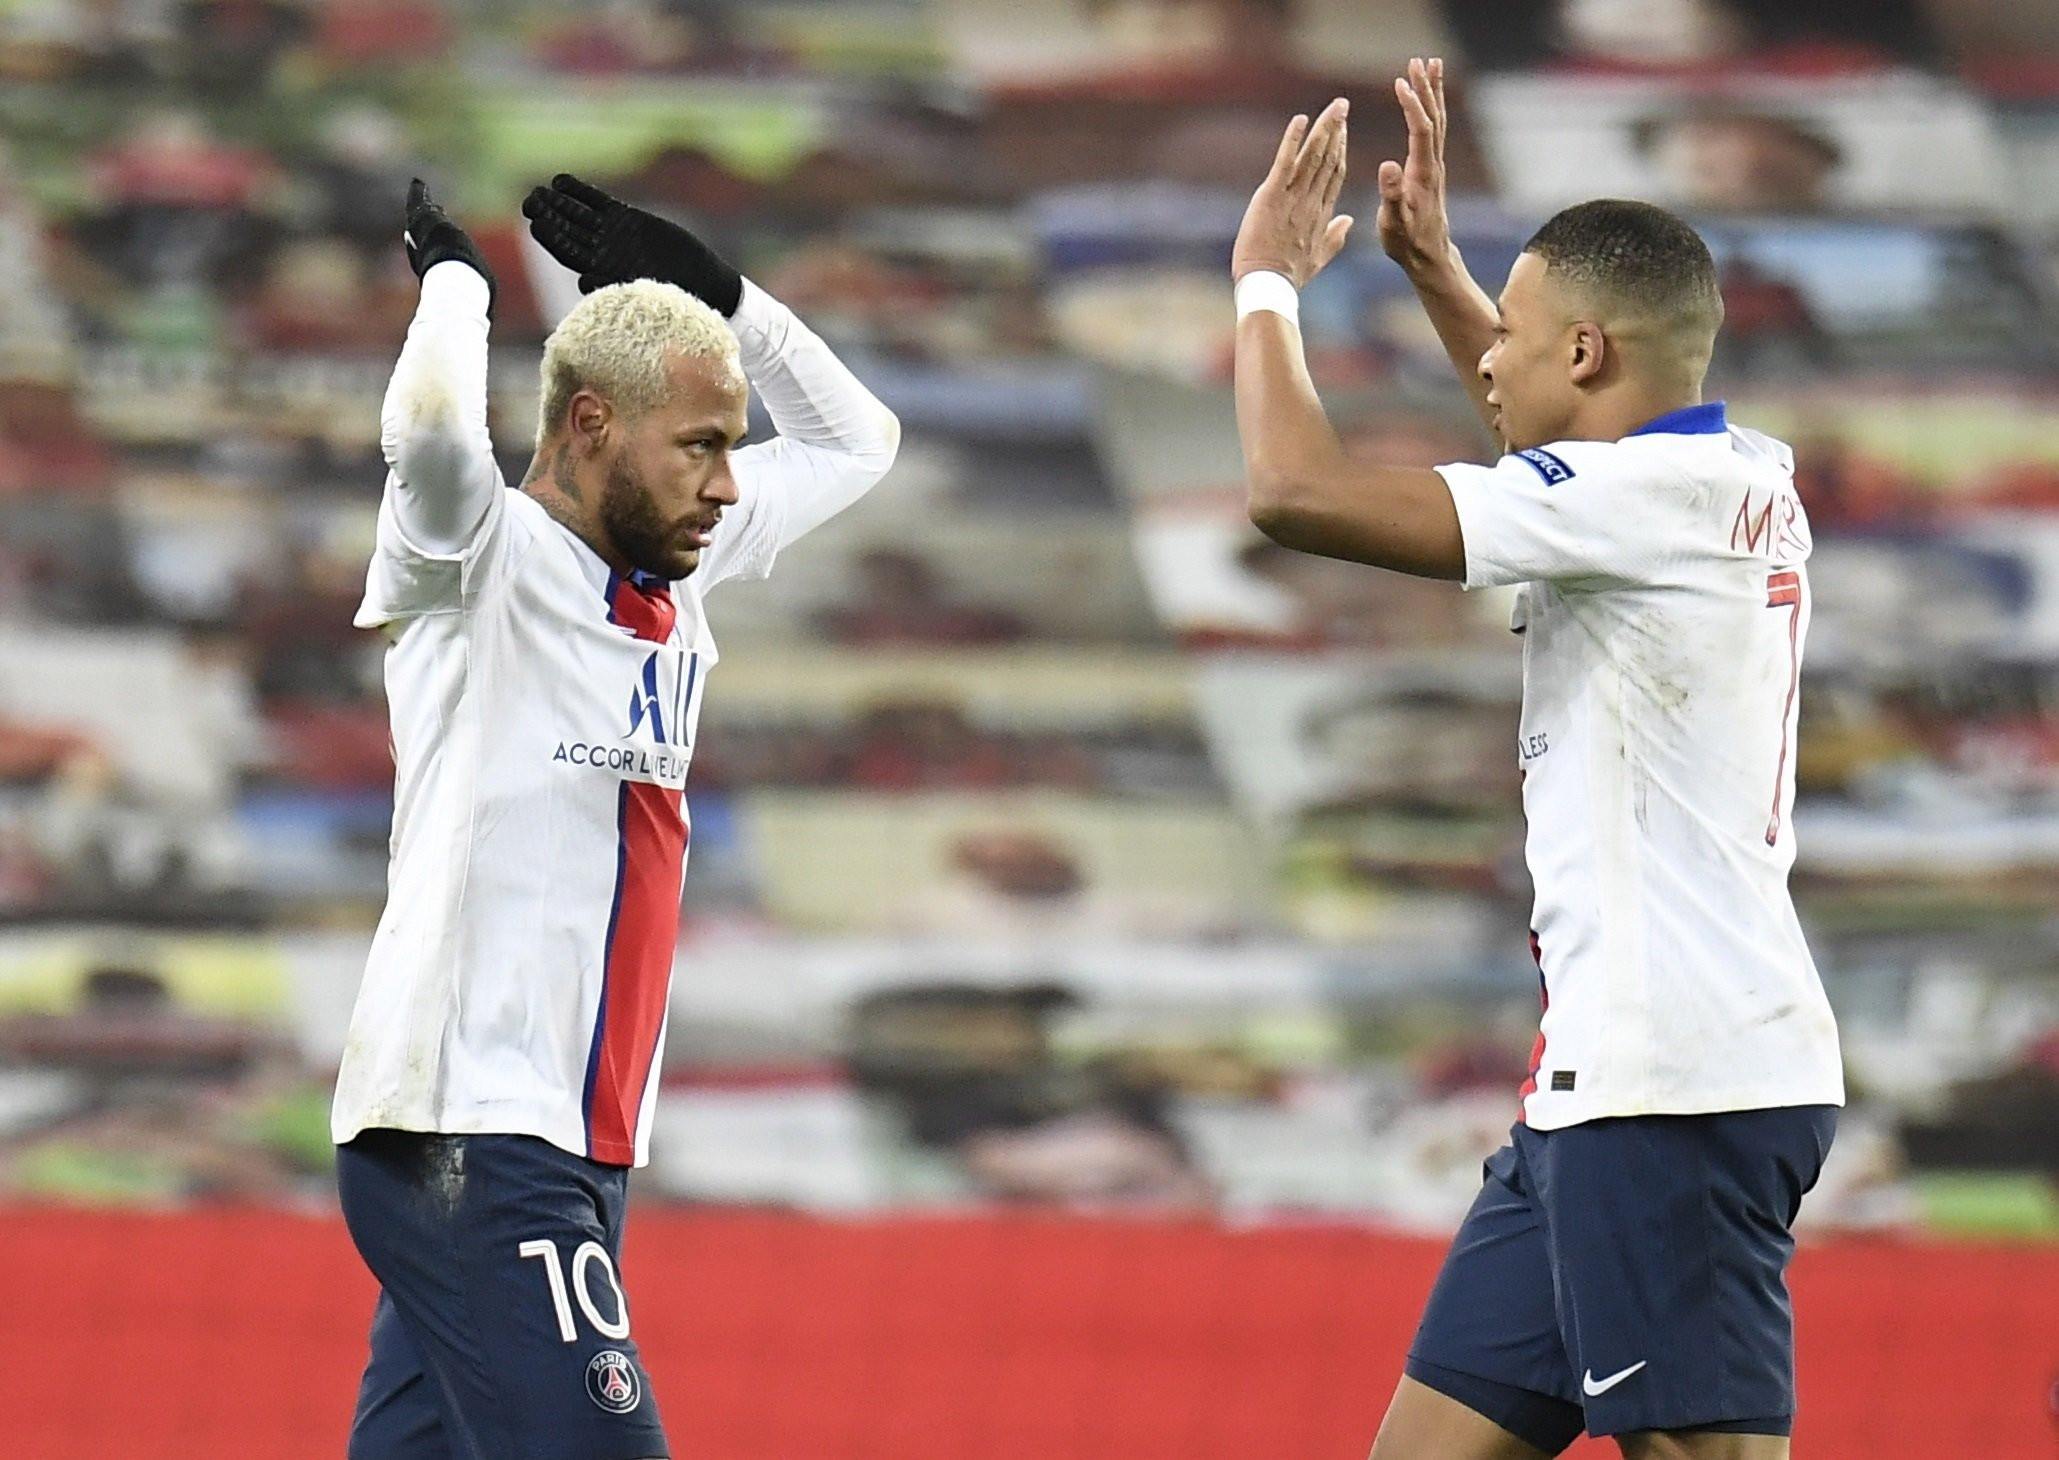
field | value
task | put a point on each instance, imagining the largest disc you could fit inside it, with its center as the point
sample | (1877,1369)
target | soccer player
(1623,1269)
(549,654)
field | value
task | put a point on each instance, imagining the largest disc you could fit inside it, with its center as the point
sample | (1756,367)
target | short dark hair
(1634,253)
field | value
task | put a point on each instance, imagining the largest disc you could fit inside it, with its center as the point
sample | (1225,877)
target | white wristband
(1264,289)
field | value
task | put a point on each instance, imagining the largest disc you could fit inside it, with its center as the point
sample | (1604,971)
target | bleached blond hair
(615,342)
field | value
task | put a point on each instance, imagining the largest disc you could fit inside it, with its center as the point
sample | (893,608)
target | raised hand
(1414,228)
(430,238)
(1288,227)
(607,241)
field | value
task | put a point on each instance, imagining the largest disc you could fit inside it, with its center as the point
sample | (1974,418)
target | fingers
(1334,236)
(1323,147)
(418,196)
(543,205)
(1421,93)
(1332,177)
(564,227)
(1422,129)
(1426,93)
(1390,181)
(1325,186)
(1289,150)
(583,192)
(554,216)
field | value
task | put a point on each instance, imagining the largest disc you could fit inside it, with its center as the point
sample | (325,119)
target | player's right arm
(442,479)
(1302,490)
(1415,231)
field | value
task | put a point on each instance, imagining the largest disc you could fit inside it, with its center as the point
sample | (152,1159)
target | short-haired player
(1623,1270)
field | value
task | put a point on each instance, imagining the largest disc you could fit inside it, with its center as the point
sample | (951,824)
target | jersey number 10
(561,1294)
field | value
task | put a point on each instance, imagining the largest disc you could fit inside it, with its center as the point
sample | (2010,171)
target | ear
(592,421)
(1585,352)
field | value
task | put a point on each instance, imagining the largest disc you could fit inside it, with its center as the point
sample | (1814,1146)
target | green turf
(1988,1203)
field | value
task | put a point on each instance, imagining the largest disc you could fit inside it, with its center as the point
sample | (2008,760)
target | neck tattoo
(561,474)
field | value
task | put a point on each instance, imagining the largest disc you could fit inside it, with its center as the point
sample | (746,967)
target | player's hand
(1289,227)
(1414,228)
(431,238)
(607,241)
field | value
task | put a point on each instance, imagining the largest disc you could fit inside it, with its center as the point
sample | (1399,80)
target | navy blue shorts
(501,1331)
(1628,1275)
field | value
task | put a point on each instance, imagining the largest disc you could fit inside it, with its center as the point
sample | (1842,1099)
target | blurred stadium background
(1104,965)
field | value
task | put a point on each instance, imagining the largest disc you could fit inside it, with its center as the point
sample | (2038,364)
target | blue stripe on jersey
(1706,419)
(600,1014)
(693,669)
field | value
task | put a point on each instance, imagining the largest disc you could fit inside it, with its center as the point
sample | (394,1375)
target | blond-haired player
(549,653)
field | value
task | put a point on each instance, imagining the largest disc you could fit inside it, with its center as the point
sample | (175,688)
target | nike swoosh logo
(1591,1386)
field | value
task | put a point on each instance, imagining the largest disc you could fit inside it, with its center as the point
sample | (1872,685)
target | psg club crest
(611,1381)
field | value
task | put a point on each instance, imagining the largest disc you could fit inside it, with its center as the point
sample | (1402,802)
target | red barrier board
(237,1335)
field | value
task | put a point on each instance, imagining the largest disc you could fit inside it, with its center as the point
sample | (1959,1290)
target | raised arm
(835,437)
(1302,490)
(1415,230)
(432,427)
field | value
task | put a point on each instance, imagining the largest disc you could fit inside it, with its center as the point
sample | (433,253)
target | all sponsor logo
(654,747)
(612,1381)
(630,762)
(645,703)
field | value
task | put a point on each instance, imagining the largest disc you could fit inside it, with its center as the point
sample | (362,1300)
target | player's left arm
(1303,491)
(835,438)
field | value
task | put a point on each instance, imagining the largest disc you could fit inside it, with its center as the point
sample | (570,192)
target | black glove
(607,241)
(431,238)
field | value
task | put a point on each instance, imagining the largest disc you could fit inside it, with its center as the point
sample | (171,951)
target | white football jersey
(544,713)
(1664,606)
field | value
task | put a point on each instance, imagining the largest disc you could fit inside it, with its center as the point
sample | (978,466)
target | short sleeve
(1573,511)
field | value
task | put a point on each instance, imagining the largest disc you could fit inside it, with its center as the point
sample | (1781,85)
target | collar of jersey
(1706,419)
(597,571)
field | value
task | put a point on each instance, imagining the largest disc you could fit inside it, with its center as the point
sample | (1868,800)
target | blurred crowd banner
(1059,843)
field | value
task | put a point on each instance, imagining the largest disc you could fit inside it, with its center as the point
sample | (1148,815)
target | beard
(631,520)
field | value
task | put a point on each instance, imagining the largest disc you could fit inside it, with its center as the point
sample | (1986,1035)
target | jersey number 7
(1784,590)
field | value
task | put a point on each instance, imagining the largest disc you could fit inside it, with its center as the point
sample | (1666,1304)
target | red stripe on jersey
(1784,590)
(643,931)
(1536,1049)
